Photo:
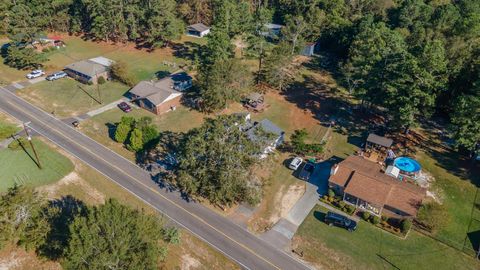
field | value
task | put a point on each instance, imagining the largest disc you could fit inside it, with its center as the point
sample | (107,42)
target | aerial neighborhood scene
(240,134)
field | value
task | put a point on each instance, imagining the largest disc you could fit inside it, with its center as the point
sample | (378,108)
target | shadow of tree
(188,50)
(111,127)
(62,213)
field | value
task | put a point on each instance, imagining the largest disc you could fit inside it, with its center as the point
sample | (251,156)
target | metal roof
(200,27)
(374,138)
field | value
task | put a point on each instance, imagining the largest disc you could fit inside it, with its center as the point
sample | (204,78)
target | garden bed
(391,225)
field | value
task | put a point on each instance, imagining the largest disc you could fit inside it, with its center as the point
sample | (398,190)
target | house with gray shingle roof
(269,135)
(88,71)
(162,95)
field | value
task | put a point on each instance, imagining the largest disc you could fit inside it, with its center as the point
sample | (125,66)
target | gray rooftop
(157,92)
(267,126)
(374,138)
(87,67)
(254,96)
(200,27)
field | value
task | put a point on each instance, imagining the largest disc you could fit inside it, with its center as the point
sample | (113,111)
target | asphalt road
(249,251)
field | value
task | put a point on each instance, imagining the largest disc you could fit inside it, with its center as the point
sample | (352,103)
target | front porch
(362,204)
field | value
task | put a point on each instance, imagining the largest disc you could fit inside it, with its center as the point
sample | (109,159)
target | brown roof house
(364,184)
(163,95)
(88,71)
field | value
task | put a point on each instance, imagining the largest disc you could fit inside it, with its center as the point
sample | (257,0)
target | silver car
(295,163)
(35,74)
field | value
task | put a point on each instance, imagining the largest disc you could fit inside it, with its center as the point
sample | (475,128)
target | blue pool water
(407,164)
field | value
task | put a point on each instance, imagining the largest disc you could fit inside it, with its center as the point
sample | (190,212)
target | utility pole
(29,138)
(98,87)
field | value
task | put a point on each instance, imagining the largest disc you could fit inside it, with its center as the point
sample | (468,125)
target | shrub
(350,208)
(375,220)
(405,225)
(331,199)
(101,80)
(136,140)
(90,83)
(121,132)
(341,204)
(120,73)
(331,192)
(385,218)
(366,216)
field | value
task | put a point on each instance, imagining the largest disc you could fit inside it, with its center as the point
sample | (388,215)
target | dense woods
(414,57)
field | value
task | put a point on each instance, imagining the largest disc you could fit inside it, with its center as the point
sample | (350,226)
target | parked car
(124,107)
(340,221)
(35,74)
(307,171)
(295,163)
(56,76)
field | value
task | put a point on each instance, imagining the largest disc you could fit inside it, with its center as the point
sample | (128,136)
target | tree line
(415,58)
(108,236)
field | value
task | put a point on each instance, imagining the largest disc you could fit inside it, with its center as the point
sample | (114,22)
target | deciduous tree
(113,236)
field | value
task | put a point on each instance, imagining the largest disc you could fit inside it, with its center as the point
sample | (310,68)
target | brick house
(364,184)
(163,95)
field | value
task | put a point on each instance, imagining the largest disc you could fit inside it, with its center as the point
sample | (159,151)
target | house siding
(166,106)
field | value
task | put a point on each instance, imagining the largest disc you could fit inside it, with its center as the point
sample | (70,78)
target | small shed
(272,30)
(374,140)
(198,30)
(308,49)
(376,147)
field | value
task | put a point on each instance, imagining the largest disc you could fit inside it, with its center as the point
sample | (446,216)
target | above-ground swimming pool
(406,164)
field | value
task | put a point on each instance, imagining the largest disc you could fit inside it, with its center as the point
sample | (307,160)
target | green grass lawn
(18,167)
(335,248)
(65,97)
(97,127)
(457,194)
(7,127)
(143,64)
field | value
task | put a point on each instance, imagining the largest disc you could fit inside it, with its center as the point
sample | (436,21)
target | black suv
(307,171)
(340,221)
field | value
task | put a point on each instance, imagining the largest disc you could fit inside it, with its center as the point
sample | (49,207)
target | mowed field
(372,248)
(19,166)
(67,97)
(142,63)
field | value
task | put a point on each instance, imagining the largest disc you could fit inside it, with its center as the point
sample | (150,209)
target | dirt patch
(286,200)
(73,179)
(19,259)
(189,262)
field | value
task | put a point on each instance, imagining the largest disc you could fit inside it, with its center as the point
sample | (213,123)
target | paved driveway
(285,228)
